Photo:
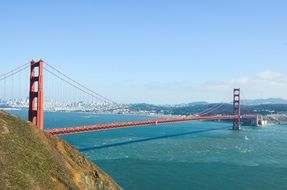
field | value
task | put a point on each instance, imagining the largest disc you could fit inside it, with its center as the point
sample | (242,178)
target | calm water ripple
(190,155)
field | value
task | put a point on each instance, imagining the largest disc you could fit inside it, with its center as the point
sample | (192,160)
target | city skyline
(162,52)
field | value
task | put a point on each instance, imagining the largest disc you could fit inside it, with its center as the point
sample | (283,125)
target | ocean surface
(179,156)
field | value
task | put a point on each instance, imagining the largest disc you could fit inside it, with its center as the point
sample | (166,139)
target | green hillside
(32,159)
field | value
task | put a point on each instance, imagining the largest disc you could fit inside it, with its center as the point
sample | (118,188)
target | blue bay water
(189,155)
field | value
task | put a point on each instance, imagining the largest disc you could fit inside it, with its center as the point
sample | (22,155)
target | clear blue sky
(155,51)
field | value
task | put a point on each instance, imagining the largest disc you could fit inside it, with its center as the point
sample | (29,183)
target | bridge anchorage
(36,104)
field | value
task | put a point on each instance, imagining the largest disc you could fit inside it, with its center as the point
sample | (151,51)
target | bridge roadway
(109,126)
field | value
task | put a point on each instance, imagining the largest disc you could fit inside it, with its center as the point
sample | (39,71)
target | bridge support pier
(236,109)
(36,94)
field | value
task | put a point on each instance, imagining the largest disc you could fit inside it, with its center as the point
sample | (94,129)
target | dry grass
(31,159)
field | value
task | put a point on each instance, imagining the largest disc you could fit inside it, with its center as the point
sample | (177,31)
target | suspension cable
(82,86)
(75,86)
(211,109)
(13,72)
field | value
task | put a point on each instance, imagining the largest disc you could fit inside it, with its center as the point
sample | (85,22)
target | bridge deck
(108,126)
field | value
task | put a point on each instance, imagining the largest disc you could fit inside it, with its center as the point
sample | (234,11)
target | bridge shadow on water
(149,139)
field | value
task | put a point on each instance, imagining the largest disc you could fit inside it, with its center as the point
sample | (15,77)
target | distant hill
(197,103)
(210,109)
(264,101)
(31,159)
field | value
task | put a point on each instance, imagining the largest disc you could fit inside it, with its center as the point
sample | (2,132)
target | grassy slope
(31,159)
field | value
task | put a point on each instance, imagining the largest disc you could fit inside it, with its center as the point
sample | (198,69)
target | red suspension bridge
(36,103)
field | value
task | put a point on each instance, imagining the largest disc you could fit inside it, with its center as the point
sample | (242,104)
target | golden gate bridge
(36,103)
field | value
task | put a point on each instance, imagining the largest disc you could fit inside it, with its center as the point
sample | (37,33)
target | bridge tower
(236,108)
(36,94)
